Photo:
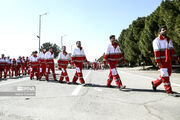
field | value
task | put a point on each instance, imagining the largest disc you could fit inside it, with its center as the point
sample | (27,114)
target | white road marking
(14,81)
(150,78)
(78,88)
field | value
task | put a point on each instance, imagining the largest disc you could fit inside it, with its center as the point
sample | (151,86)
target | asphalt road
(55,101)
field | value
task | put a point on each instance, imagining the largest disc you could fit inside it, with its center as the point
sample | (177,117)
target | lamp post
(62,40)
(39,36)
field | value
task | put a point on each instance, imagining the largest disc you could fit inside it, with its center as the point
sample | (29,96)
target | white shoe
(122,87)
(83,84)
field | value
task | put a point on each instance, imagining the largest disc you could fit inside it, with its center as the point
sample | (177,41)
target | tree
(176,37)
(56,48)
(129,39)
(136,41)
(101,58)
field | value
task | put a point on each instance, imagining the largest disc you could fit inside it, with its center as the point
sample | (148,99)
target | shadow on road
(142,90)
(15,77)
(97,85)
(128,89)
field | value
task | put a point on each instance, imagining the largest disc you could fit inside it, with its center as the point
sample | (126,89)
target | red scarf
(64,53)
(114,44)
(80,48)
(51,52)
(34,55)
(162,38)
(168,39)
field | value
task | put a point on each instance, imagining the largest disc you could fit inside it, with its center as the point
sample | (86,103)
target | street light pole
(62,40)
(40,30)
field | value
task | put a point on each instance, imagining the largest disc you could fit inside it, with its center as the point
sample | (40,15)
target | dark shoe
(60,81)
(153,87)
(75,83)
(110,86)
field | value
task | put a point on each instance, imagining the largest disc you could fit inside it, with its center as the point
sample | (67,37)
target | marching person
(34,66)
(42,67)
(164,54)
(95,64)
(64,60)
(23,66)
(18,61)
(29,63)
(8,66)
(2,66)
(78,57)
(27,71)
(99,64)
(49,58)
(13,67)
(112,57)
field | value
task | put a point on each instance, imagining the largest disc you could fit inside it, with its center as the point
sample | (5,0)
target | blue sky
(90,21)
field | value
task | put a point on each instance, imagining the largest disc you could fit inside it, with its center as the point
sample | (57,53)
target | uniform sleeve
(58,61)
(60,58)
(69,59)
(53,56)
(121,55)
(173,53)
(73,57)
(156,48)
(30,61)
(39,60)
(39,55)
(46,56)
(85,60)
(106,55)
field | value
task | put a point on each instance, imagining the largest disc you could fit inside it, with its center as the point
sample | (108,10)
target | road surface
(55,101)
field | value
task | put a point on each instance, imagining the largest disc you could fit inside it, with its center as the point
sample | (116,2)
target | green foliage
(101,58)
(128,40)
(136,41)
(56,48)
